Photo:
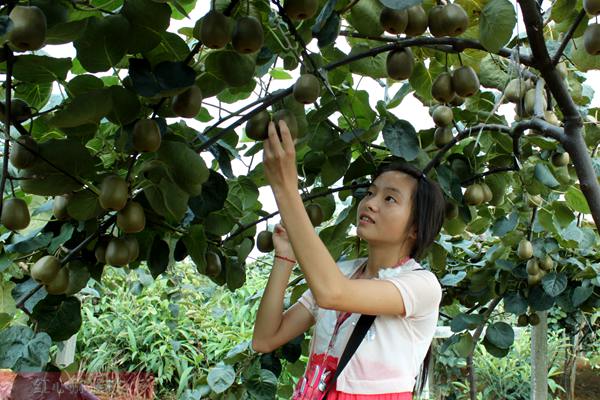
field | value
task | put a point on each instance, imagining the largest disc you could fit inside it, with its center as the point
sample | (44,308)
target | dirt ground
(587,384)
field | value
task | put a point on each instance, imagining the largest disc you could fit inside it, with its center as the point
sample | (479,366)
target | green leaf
(452,279)
(83,84)
(79,275)
(58,316)
(66,231)
(465,321)
(279,73)
(153,15)
(41,69)
(83,205)
(543,174)
(401,139)
(103,43)
(66,32)
(231,67)
(221,377)
(492,72)
(404,90)
(496,24)
(262,385)
(539,300)
(214,193)
(87,108)
(23,350)
(364,16)
(374,67)
(464,346)
(171,48)
(195,242)
(7,303)
(494,350)
(36,95)
(167,199)
(554,283)
(500,334)
(577,201)
(514,303)
(187,167)
(582,60)
(581,294)
(125,106)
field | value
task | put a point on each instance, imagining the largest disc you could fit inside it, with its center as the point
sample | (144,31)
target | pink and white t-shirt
(390,356)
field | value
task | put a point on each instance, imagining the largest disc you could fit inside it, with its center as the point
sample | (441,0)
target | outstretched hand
(279,160)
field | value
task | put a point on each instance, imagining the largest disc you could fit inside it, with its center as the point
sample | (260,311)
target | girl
(399,218)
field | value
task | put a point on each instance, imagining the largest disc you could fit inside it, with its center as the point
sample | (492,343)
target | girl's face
(388,202)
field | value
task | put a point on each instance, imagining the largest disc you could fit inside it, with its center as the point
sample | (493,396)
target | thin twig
(7,118)
(567,38)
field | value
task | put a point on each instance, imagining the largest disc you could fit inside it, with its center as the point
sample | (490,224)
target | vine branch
(7,117)
(567,38)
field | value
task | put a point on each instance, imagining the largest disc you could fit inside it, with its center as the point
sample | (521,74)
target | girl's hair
(427,212)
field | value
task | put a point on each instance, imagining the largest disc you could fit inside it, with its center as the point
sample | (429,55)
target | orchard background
(122,155)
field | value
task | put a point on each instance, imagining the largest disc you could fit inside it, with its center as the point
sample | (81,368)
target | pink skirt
(335,395)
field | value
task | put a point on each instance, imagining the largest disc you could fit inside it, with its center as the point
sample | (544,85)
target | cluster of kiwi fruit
(264,240)
(531,319)
(15,213)
(442,20)
(478,193)
(117,251)
(452,88)
(522,93)
(28,30)
(591,36)
(560,158)
(257,127)
(215,30)
(536,269)
(442,117)
(49,272)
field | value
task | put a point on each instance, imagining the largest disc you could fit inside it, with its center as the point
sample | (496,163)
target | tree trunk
(539,358)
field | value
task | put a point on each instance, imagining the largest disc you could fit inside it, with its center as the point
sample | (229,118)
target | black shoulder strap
(358,334)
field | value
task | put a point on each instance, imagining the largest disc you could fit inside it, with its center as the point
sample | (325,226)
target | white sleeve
(420,290)
(307,300)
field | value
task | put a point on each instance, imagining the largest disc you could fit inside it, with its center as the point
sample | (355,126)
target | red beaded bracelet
(285,258)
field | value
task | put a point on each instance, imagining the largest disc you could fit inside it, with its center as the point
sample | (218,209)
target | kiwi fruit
(455,19)
(264,242)
(399,64)
(560,159)
(451,210)
(257,127)
(117,252)
(60,283)
(474,194)
(100,252)
(29,27)
(307,89)
(187,104)
(487,192)
(534,319)
(529,102)
(441,88)
(300,9)
(442,136)
(533,267)
(146,135)
(180,252)
(15,214)
(215,30)
(465,82)
(551,118)
(19,111)
(59,207)
(525,249)
(417,21)
(289,119)
(515,90)
(534,200)
(457,101)
(591,39)
(213,264)
(547,263)
(393,21)
(133,247)
(248,36)
(436,20)
(315,214)
(20,157)
(533,280)
(442,116)
(113,193)
(592,7)
(45,269)
(522,320)
(131,218)
(562,69)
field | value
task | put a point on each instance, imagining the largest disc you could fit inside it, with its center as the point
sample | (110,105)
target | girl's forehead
(391,177)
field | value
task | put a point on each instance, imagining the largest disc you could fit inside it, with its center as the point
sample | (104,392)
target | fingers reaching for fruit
(279,159)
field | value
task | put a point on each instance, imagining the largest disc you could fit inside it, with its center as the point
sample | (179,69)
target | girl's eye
(370,193)
(390,197)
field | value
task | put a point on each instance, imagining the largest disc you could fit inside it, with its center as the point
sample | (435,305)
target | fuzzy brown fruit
(487,192)
(442,116)
(465,81)
(117,252)
(29,28)
(215,31)
(146,135)
(441,88)
(474,195)
(525,249)
(515,90)
(133,247)
(15,214)
(399,64)
(187,104)
(442,136)
(591,39)
(290,121)
(59,207)
(131,219)
(437,21)
(533,267)
(60,283)
(20,157)
(301,9)
(417,21)
(456,19)
(258,125)
(113,193)
(248,36)
(213,264)
(315,214)
(264,242)
(307,89)
(393,21)
(45,269)
(592,7)
(560,159)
